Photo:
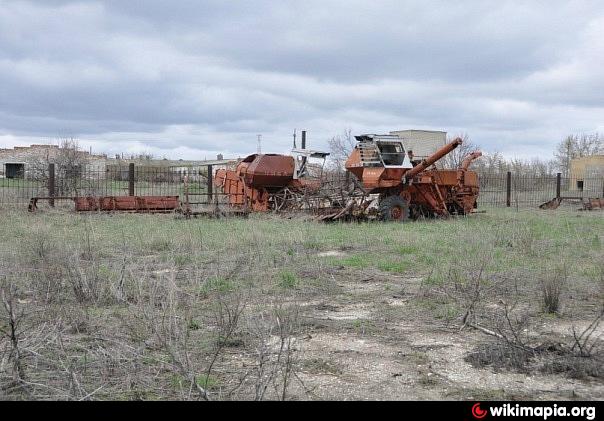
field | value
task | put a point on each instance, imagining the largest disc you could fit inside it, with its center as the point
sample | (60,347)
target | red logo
(477,412)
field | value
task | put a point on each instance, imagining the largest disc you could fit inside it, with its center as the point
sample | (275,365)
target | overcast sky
(190,79)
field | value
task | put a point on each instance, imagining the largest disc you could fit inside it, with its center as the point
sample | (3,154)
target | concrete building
(423,143)
(24,161)
(587,174)
(29,161)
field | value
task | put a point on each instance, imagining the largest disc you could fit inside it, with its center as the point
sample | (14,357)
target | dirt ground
(409,357)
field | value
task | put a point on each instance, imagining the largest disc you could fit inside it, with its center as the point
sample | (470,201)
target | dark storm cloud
(210,75)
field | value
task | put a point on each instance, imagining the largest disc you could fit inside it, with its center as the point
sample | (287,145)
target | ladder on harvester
(370,154)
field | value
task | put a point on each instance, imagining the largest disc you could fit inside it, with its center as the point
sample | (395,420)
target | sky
(191,79)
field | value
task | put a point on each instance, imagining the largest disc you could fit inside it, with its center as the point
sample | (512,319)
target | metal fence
(496,190)
(524,191)
(115,181)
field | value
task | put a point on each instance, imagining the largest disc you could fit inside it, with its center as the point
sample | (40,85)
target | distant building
(587,174)
(423,143)
(29,161)
(24,161)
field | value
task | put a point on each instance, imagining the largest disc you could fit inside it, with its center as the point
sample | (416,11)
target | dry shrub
(552,288)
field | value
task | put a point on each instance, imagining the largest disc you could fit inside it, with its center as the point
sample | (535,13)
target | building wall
(36,156)
(423,143)
(588,172)
(589,166)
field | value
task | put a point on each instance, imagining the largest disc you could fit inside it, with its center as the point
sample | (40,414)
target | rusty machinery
(398,188)
(389,184)
(265,182)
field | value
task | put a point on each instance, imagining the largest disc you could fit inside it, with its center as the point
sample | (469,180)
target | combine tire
(394,208)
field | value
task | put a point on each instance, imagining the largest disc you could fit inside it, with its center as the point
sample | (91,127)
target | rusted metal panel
(127,203)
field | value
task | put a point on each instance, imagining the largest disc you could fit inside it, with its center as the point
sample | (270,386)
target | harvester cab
(305,160)
(385,151)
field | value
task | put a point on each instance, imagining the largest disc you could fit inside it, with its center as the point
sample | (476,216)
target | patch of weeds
(217,285)
(390,266)
(447,312)
(596,243)
(434,279)
(362,326)
(312,245)
(177,381)
(551,290)
(357,261)
(104,272)
(287,279)
(321,366)
(141,395)
(426,259)
(407,249)
(183,259)
(231,342)
(194,325)
(206,381)
(160,244)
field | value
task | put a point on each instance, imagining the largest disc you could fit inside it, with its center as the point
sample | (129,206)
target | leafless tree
(455,158)
(577,146)
(70,162)
(340,148)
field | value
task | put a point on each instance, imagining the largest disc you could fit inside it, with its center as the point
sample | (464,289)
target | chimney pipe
(303,139)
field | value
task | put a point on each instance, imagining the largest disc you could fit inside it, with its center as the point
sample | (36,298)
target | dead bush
(552,287)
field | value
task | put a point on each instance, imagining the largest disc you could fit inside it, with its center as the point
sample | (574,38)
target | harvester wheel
(394,208)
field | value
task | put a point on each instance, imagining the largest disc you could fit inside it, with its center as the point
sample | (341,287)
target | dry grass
(152,307)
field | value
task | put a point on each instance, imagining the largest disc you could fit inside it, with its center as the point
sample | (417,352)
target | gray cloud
(207,76)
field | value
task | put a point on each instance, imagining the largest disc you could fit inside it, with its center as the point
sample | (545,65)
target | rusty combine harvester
(272,182)
(395,188)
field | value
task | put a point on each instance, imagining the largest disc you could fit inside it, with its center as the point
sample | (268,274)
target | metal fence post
(51,184)
(131,179)
(558,185)
(210,183)
(508,188)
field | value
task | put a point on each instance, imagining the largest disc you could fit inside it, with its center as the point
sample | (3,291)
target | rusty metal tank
(269,171)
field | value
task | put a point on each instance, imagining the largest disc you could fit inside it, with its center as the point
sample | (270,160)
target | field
(499,305)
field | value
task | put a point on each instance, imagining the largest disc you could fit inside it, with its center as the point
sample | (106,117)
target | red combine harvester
(403,189)
(265,182)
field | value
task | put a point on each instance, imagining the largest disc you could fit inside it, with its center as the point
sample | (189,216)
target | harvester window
(392,153)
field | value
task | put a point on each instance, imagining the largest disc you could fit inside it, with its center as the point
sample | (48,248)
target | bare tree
(70,162)
(577,146)
(455,158)
(340,148)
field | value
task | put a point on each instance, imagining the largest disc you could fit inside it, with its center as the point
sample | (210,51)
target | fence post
(131,179)
(558,185)
(210,183)
(508,189)
(51,184)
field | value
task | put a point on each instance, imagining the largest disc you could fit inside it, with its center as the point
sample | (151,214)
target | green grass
(220,285)
(509,239)
(288,279)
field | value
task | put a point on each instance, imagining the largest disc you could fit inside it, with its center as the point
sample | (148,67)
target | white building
(423,143)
